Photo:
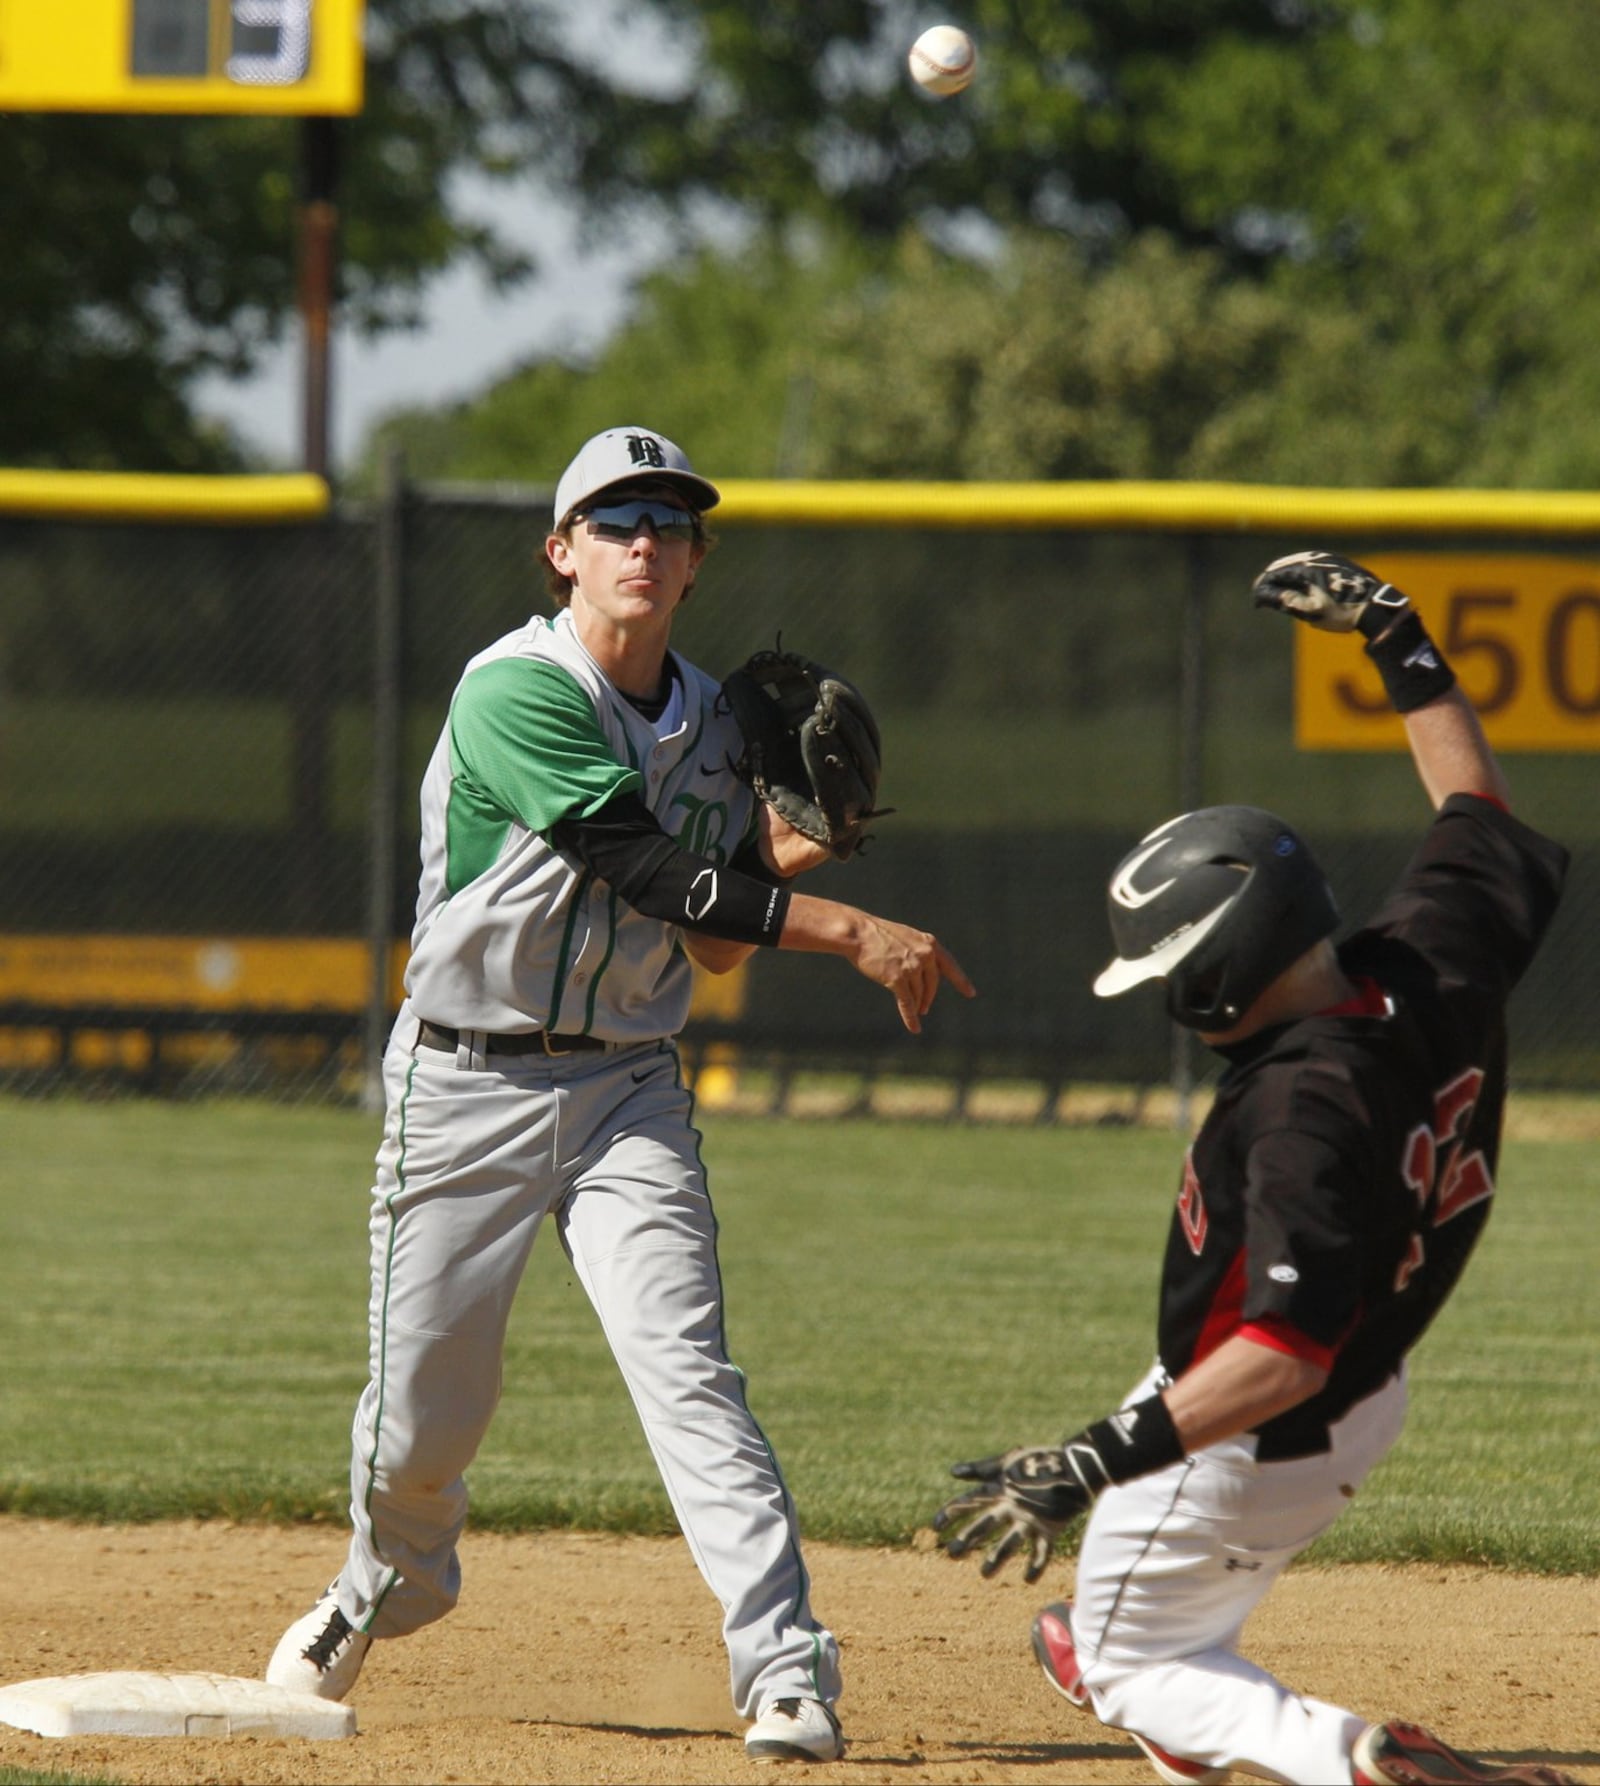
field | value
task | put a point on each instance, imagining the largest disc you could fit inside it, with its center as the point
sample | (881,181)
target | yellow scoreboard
(268,56)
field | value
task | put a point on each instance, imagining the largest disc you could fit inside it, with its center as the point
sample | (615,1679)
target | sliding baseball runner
(1326,1211)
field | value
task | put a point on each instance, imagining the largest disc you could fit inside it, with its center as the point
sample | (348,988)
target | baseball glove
(812,749)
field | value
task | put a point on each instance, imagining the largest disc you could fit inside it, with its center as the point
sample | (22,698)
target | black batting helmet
(1217,903)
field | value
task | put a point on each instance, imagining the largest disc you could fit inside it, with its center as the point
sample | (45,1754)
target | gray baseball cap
(630,456)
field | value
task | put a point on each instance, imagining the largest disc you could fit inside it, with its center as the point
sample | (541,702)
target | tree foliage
(1041,362)
(1327,240)
(1428,169)
(1295,240)
(805,110)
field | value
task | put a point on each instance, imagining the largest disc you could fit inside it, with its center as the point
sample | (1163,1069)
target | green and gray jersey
(513,935)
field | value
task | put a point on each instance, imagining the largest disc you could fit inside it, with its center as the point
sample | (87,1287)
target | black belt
(531,1041)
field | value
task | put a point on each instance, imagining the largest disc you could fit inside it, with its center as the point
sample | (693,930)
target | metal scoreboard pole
(318,249)
(318,599)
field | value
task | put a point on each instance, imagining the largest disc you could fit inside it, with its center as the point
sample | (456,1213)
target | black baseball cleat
(1408,1755)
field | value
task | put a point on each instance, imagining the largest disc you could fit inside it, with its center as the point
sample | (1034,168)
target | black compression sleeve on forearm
(624,845)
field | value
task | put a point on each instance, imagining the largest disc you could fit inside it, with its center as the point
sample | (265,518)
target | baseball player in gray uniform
(583,839)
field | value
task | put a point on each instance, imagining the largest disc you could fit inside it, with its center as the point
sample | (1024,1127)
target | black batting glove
(1333,594)
(1025,1498)
(1336,595)
(1028,1497)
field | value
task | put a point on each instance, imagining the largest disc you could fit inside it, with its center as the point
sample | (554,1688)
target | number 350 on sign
(1521,632)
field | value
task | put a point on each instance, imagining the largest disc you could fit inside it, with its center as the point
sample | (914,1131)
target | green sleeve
(526,744)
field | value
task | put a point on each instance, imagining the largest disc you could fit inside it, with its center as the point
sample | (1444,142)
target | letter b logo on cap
(646,450)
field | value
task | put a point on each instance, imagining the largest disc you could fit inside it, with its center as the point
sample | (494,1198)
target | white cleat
(795,1730)
(320,1653)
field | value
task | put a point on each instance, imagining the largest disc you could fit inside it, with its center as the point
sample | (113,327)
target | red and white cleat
(1408,1755)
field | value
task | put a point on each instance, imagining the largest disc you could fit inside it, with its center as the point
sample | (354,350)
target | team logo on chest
(704,827)
(1192,1207)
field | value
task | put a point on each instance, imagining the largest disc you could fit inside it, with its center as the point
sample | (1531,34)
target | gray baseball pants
(476,1153)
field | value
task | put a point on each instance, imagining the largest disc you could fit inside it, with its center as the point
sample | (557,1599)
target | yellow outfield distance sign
(197,973)
(1522,633)
(237,974)
(208,56)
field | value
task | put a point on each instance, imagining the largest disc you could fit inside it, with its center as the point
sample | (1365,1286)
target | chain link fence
(211,739)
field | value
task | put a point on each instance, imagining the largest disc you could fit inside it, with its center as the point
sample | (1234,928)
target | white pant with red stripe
(1173,1564)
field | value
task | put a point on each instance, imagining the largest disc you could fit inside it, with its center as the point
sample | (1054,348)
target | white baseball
(943,59)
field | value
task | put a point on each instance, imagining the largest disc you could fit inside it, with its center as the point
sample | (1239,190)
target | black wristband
(1413,672)
(1134,1441)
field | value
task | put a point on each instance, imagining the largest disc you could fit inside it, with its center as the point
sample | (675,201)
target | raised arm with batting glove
(1337,595)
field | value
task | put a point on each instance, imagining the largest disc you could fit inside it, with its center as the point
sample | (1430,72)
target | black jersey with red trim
(1346,1169)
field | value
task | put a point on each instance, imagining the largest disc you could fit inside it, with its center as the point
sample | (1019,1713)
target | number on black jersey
(1445,1179)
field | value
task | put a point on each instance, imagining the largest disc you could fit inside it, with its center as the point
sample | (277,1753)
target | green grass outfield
(182,1323)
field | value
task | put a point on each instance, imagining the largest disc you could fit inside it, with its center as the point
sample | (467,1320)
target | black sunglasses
(621,521)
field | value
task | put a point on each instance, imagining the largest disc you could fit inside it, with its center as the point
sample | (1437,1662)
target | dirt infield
(583,1659)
